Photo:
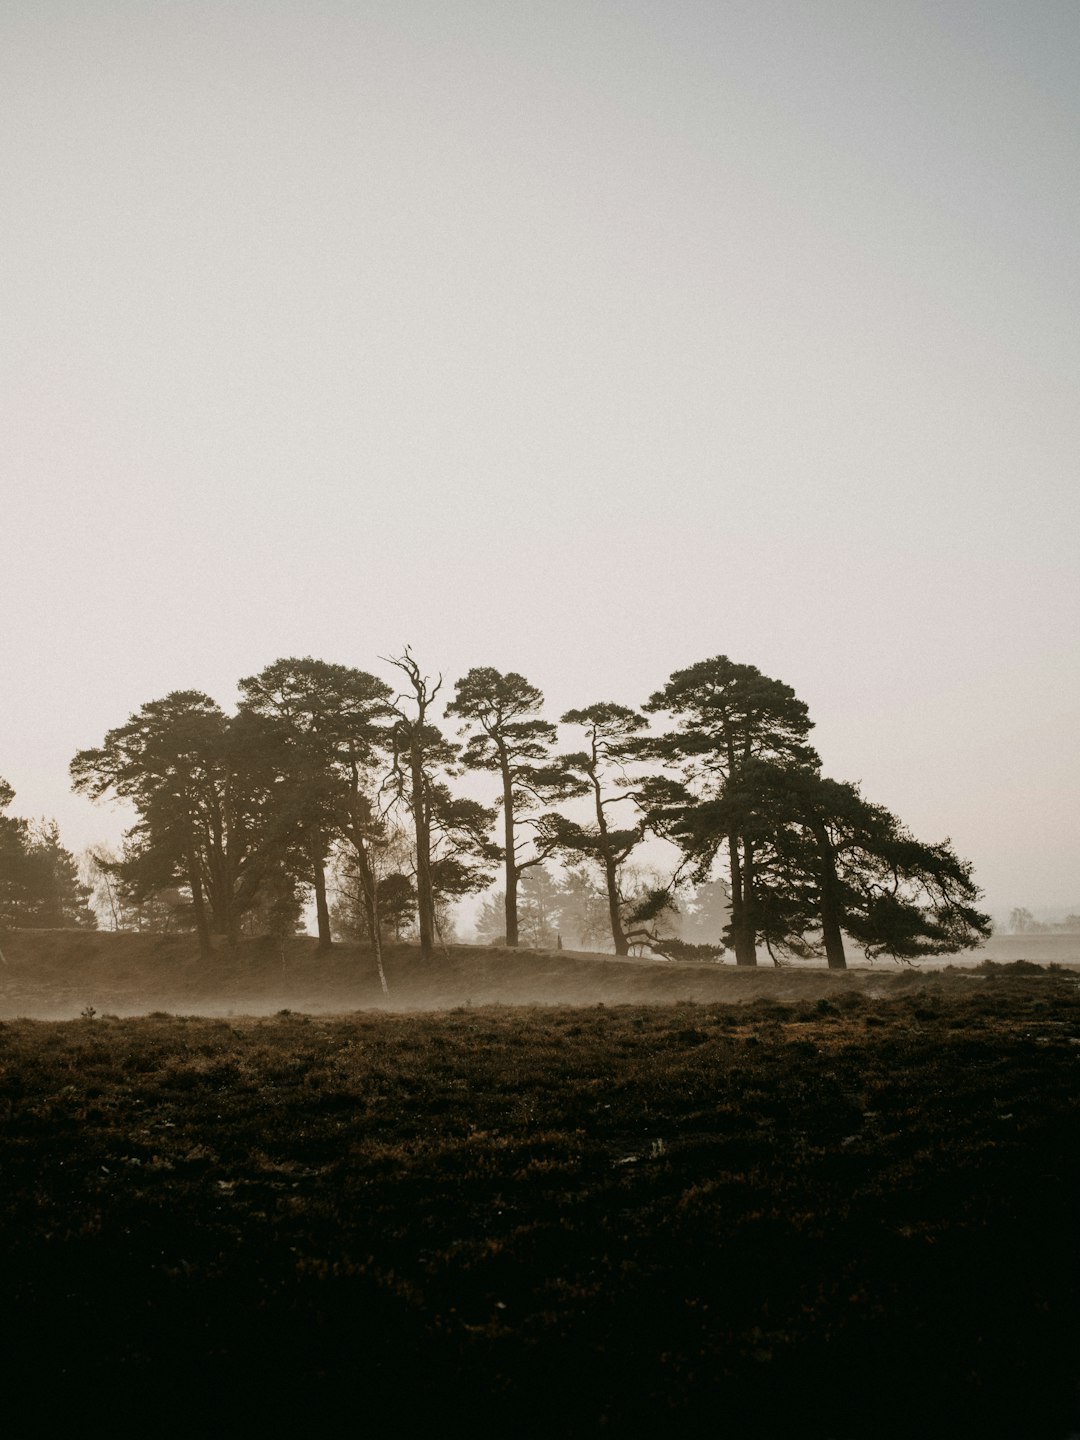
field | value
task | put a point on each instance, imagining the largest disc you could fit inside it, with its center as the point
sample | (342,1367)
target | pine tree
(600,773)
(509,739)
(40,887)
(726,716)
(211,817)
(331,724)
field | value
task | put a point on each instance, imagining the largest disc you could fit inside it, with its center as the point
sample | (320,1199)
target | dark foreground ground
(854,1215)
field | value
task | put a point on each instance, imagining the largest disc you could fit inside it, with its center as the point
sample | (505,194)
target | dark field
(849,1215)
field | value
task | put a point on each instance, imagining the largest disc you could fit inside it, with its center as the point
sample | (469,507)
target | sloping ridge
(56,974)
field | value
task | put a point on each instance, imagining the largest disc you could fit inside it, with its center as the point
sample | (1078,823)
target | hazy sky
(586,338)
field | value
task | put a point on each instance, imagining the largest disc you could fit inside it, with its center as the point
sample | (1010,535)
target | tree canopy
(809,859)
(331,727)
(40,887)
(239,815)
(507,737)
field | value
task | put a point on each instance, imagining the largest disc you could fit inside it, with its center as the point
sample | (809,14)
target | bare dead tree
(418,748)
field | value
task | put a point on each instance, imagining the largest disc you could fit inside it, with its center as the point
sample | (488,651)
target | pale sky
(582,339)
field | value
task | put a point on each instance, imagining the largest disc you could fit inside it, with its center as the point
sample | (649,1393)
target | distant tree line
(40,886)
(328,782)
(568,908)
(1023,922)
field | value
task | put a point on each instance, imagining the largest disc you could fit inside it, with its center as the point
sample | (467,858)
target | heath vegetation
(836,1214)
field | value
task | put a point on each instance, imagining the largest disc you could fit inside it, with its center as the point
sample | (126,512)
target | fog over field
(585,340)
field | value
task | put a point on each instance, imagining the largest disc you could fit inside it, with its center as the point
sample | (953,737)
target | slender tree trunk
(228,850)
(512,872)
(230,920)
(735,872)
(513,929)
(611,871)
(219,875)
(414,732)
(379,964)
(198,905)
(743,931)
(749,925)
(360,811)
(369,888)
(425,899)
(322,909)
(829,901)
(372,901)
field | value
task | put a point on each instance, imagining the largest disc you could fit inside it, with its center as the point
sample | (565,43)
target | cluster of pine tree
(39,880)
(243,815)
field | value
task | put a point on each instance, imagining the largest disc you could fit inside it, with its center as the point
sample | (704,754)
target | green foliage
(57,898)
(891,893)
(728,714)
(40,886)
(329,729)
(501,709)
(13,846)
(331,723)
(808,857)
(507,737)
(123,902)
(549,912)
(211,814)
(600,772)
(238,815)
(388,883)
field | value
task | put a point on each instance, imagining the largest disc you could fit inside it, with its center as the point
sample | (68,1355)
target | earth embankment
(60,974)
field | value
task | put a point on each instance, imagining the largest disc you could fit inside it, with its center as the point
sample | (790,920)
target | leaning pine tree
(726,715)
(859,872)
(810,859)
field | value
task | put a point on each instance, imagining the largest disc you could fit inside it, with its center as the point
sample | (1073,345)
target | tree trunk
(219,879)
(369,887)
(510,909)
(372,903)
(742,922)
(198,905)
(322,909)
(745,947)
(425,899)
(618,934)
(512,871)
(360,813)
(829,901)
(611,873)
